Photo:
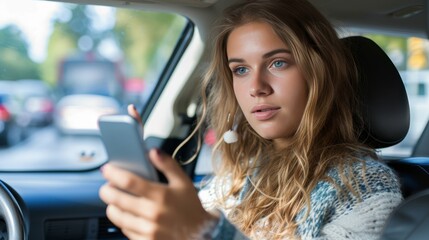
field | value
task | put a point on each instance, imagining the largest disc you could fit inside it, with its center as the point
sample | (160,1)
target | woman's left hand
(148,210)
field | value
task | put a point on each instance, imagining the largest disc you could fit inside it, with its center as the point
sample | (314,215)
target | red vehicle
(4,124)
(10,132)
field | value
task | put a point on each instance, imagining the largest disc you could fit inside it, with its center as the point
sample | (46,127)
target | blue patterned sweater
(331,216)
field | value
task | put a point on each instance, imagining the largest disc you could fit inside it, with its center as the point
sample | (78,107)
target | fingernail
(158,152)
(102,168)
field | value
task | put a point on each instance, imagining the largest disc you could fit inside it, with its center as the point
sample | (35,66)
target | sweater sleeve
(365,221)
(224,229)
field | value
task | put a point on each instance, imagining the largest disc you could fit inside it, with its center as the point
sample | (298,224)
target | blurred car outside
(90,73)
(89,85)
(5,121)
(10,132)
(78,114)
(37,102)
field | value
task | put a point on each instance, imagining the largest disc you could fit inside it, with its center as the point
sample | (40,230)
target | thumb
(169,167)
(132,111)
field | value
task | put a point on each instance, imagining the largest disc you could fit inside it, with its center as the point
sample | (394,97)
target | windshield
(64,65)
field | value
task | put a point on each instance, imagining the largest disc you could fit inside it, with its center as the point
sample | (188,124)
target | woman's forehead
(254,37)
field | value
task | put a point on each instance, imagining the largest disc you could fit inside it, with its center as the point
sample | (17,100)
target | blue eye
(240,70)
(279,64)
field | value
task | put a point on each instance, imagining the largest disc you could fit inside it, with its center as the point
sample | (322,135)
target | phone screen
(122,137)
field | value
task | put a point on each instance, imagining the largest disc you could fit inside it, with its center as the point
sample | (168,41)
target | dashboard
(61,205)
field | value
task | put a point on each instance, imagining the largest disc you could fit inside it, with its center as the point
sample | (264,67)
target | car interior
(59,200)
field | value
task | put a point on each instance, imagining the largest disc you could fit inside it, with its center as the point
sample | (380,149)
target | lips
(264,112)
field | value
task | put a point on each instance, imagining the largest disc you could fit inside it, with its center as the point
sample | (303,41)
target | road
(47,150)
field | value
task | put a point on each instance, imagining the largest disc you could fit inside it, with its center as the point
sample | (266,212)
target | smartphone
(122,137)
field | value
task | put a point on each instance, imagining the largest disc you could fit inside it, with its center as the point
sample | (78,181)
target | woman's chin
(278,139)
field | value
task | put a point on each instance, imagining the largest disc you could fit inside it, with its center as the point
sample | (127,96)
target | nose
(260,86)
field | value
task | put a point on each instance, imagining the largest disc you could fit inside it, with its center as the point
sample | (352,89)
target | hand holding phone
(122,137)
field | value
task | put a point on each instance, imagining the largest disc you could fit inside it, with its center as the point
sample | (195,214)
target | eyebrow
(274,52)
(266,55)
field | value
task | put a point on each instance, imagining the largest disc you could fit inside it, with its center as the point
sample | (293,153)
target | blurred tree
(146,38)
(143,36)
(64,40)
(61,44)
(14,57)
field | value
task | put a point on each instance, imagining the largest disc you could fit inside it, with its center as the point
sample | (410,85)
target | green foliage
(61,44)
(63,40)
(79,24)
(143,36)
(146,39)
(14,59)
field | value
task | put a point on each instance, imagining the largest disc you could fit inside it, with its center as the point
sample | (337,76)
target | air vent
(65,229)
(106,230)
(81,229)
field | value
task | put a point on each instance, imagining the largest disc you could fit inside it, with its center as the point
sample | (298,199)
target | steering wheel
(11,213)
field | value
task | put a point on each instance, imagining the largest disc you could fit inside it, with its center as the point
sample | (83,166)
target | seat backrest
(413,173)
(410,220)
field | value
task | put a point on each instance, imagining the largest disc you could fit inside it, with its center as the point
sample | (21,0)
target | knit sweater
(331,216)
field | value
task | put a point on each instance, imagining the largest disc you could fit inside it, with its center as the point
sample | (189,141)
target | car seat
(384,102)
(410,220)
(386,116)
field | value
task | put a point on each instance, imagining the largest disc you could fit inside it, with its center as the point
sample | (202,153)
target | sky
(34,17)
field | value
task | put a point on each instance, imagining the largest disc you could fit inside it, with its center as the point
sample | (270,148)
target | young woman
(281,85)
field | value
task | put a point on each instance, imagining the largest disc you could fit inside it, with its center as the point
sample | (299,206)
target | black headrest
(384,102)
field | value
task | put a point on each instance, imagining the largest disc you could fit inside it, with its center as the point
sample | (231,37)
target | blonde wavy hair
(326,138)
